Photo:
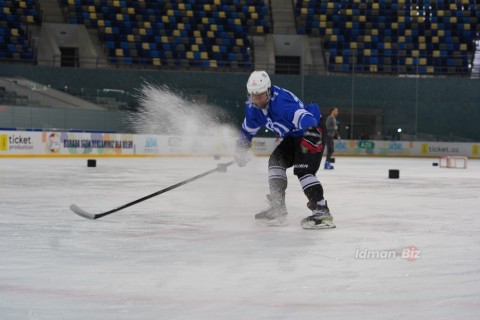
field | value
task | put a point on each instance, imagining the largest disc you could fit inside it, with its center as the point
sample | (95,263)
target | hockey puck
(91,163)
(393,174)
(435,164)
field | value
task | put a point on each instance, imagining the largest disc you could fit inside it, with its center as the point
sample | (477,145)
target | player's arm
(250,127)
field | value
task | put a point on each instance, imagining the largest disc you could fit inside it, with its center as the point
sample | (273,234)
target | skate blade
(272,223)
(310,225)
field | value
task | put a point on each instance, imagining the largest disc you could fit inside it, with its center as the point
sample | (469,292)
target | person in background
(332,133)
(303,133)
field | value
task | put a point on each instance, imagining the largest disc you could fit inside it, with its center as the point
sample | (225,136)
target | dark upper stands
(15,16)
(198,33)
(393,36)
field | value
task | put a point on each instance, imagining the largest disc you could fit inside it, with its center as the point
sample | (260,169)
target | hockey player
(302,146)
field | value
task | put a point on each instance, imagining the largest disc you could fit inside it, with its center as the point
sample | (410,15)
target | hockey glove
(312,140)
(241,153)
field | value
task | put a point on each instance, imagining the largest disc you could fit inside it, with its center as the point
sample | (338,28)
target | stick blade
(82,213)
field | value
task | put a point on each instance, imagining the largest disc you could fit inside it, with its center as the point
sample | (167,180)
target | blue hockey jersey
(286,115)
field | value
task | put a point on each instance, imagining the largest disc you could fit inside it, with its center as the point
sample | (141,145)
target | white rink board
(29,143)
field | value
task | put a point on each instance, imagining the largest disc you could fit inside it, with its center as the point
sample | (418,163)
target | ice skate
(275,214)
(320,218)
(328,166)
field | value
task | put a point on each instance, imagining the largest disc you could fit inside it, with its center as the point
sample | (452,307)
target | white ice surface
(196,253)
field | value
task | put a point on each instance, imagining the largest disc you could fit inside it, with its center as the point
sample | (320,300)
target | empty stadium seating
(15,16)
(393,36)
(203,33)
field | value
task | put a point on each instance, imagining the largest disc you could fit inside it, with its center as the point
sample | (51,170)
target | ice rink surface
(405,248)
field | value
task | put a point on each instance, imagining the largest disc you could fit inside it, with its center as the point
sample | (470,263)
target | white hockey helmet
(258,83)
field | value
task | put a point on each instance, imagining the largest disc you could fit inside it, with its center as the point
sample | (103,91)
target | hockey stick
(222,167)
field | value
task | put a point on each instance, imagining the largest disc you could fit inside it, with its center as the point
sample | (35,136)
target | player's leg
(330,149)
(279,161)
(305,168)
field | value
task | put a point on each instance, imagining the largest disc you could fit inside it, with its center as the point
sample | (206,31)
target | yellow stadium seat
(190,55)
(204,55)
(146,46)
(119,52)
(194,47)
(213,63)
(156,62)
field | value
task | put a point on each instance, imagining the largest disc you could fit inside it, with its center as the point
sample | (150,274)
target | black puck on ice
(393,174)
(91,163)
(435,164)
